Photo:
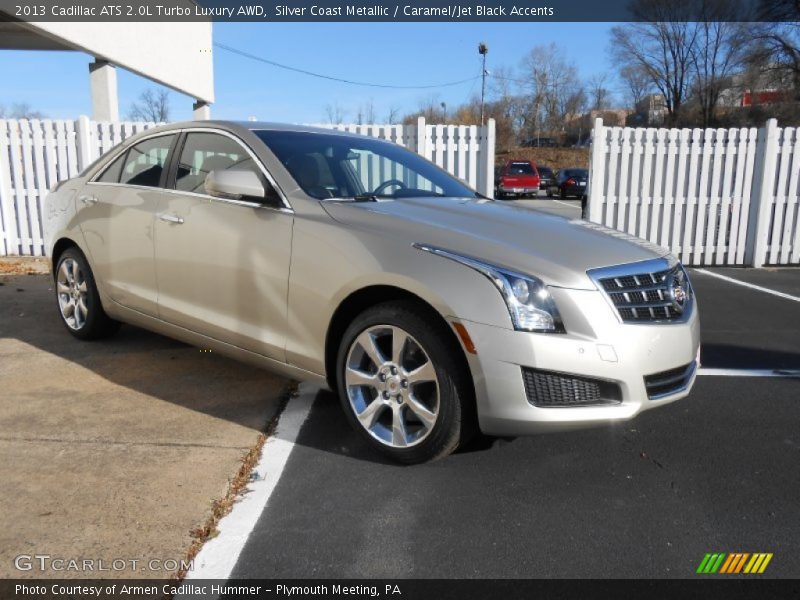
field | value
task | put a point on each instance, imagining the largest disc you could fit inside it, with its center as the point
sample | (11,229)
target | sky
(57,83)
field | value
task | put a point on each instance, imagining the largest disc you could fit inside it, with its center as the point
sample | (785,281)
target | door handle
(88,199)
(172,219)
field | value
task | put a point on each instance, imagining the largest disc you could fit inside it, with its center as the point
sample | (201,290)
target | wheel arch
(366,297)
(58,249)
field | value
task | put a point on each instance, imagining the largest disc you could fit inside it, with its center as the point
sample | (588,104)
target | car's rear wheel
(563,194)
(78,301)
(401,385)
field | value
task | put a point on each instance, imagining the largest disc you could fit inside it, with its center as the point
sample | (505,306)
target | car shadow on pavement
(327,430)
(134,361)
(732,356)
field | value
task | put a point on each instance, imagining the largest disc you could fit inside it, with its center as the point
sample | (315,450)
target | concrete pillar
(202,111)
(105,100)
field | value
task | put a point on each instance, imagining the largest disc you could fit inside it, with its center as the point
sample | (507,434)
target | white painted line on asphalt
(218,556)
(750,285)
(785,373)
(565,204)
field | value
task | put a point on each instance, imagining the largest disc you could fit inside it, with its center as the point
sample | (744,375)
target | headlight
(528,300)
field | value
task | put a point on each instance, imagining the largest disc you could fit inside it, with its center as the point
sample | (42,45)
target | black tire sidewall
(97,324)
(448,428)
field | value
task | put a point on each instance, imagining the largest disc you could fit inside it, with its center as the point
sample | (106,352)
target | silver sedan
(434,312)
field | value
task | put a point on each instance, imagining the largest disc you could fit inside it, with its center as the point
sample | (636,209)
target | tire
(409,421)
(77,299)
(563,194)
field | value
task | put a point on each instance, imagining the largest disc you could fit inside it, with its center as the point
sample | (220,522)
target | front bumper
(597,345)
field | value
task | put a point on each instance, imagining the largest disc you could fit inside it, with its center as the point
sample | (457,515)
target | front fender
(331,261)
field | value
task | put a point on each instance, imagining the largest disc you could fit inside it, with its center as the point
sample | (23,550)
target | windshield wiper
(365,198)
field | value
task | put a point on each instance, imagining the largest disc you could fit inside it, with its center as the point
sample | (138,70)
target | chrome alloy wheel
(392,386)
(73,292)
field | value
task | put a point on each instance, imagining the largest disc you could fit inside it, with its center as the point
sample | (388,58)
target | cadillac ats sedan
(433,312)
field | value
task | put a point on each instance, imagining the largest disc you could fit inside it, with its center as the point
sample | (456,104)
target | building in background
(176,55)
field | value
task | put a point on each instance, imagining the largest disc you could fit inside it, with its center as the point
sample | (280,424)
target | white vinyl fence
(466,151)
(36,154)
(712,196)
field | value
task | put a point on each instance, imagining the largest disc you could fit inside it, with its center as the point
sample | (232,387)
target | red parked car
(517,178)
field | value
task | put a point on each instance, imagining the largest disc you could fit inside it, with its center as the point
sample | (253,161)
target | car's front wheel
(401,384)
(78,299)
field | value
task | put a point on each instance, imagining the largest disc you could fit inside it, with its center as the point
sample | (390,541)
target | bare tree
(636,83)
(393,115)
(599,94)
(152,105)
(335,113)
(718,53)
(774,47)
(553,84)
(20,110)
(662,45)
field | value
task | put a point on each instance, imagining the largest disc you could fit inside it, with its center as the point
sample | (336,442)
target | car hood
(557,250)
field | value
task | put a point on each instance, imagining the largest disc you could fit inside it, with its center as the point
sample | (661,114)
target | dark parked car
(572,182)
(516,178)
(547,180)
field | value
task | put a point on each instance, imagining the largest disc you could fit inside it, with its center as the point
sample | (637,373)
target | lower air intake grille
(666,383)
(549,389)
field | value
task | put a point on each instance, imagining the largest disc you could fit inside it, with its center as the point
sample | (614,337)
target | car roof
(239,126)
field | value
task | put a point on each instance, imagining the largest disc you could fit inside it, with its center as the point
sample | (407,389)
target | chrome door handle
(172,219)
(88,199)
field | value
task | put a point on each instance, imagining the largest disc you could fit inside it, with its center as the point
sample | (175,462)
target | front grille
(644,296)
(666,383)
(550,389)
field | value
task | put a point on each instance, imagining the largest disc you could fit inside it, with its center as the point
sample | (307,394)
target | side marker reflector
(465,339)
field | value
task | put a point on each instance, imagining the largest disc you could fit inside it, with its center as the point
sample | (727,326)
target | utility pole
(483,50)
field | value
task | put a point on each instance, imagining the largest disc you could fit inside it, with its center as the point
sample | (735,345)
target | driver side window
(204,152)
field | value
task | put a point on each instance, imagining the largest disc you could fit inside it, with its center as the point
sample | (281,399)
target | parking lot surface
(716,472)
(114,449)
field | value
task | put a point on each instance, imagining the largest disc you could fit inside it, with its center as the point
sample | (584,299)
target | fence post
(83,134)
(755,252)
(422,137)
(486,173)
(596,173)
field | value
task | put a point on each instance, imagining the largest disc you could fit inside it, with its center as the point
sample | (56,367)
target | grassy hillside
(555,158)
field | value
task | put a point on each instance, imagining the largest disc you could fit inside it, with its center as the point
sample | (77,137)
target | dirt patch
(24,265)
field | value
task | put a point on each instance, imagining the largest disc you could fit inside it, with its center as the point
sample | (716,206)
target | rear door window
(145,162)
(112,172)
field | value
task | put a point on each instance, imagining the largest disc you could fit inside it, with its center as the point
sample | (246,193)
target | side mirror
(235,184)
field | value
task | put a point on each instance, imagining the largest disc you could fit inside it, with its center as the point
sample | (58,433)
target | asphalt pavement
(716,472)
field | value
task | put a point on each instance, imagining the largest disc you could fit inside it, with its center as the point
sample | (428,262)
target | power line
(339,79)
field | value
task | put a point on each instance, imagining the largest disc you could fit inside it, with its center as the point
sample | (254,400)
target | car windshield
(576,173)
(545,172)
(520,168)
(329,166)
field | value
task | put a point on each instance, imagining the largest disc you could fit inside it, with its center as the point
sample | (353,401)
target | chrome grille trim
(638,291)
(668,383)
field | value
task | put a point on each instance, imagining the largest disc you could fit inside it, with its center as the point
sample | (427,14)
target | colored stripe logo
(735,562)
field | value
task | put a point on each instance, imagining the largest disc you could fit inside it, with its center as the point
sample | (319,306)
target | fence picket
(792,218)
(725,199)
(8,217)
